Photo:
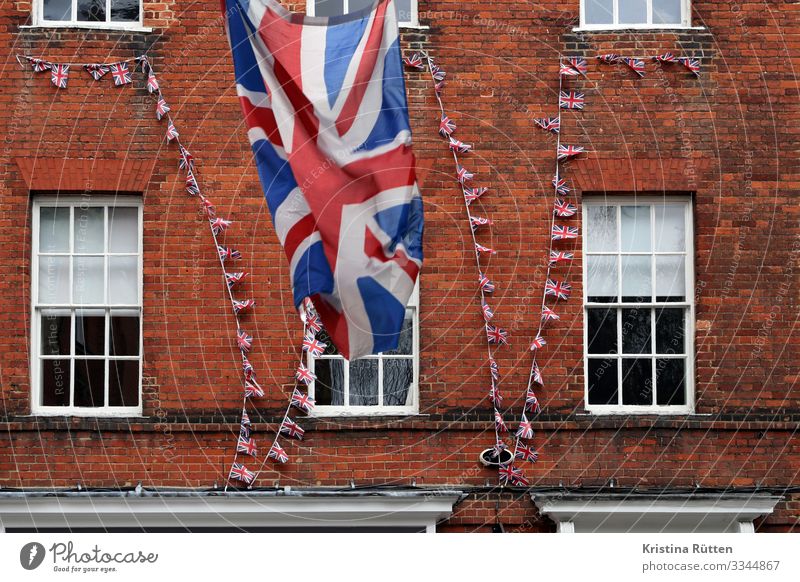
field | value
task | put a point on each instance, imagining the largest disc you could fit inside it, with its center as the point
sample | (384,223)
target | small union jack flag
(121,74)
(570,100)
(252,389)
(96,71)
(302,401)
(478,222)
(480,249)
(472,194)
(494,370)
(463,175)
(549,315)
(244,430)
(495,396)
(459,146)
(499,447)
(304,375)
(219,225)
(665,58)
(291,429)
(234,279)
(536,374)
(208,207)
(244,340)
(446,126)
(246,445)
(579,64)
(39,65)
(551,124)
(152,82)
(314,323)
(564,209)
(566,152)
(526,453)
(241,473)
(225,253)
(439,87)
(564,232)
(277,453)
(414,61)
(172,131)
(488,314)
(566,71)
(496,335)
(499,423)
(635,65)
(161,108)
(531,402)
(313,346)
(538,343)
(513,475)
(245,419)
(557,289)
(560,185)
(485,283)
(560,256)
(525,430)
(609,58)
(242,306)
(191,184)
(438,73)
(692,65)
(186,161)
(247,367)
(59,75)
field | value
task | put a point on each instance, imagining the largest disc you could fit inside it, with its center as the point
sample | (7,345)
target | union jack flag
(245,419)
(567,151)
(564,209)
(552,124)
(439,87)
(291,429)
(459,146)
(39,65)
(152,82)
(121,74)
(665,58)
(480,249)
(302,401)
(472,194)
(635,65)
(526,453)
(208,207)
(219,225)
(560,185)
(314,323)
(244,340)
(161,108)
(246,445)
(438,73)
(186,161)
(538,343)
(414,61)
(96,71)
(59,74)
(234,279)
(609,58)
(446,126)
(486,285)
(494,370)
(277,453)
(247,367)
(557,289)
(172,131)
(564,232)
(488,314)
(226,253)
(478,222)
(499,423)
(244,430)
(566,71)
(304,375)
(191,184)
(313,346)
(499,447)
(536,374)
(252,389)
(496,335)
(525,430)
(570,100)
(531,402)
(242,306)
(495,396)
(560,256)
(579,64)
(241,473)
(548,314)
(513,475)
(692,65)
(463,175)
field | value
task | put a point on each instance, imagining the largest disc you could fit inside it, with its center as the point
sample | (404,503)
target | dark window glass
(602,330)
(398,374)
(124,339)
(329,385)
(364,382)
(637,381)
(89,334)
(123,383)
(92,10)
(57,9)
(328,7)
(356,5)
(670,331)
(636,331)
(603,381)
(125,10)
(55,382)
(90,376)
(670,381)
(55,331)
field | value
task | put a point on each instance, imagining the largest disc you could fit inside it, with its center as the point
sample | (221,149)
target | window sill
(595,411)
(333,412)
(636,28)
(414,26)
(99,27)
(129,413)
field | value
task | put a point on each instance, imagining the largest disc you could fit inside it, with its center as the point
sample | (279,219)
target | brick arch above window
(637,174)
(82,174)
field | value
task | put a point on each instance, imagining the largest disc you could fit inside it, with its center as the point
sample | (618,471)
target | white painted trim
(413,23)
(38,20)
(565,527)
(686,19)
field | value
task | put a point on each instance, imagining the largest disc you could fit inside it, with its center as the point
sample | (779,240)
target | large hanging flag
(325,105)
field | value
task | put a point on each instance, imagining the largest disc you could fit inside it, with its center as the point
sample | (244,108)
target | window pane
(670,381)
(601,231)
(635,236)
(355,5)
(92,10)
(406,344)
(636,331)
(123,383)
(328,7)
(670,278)
(364,382)
(636,279)
(55,382)
(87,280)
(329,385)
(124,338)
(633,11)
(123,284)
(404,10)
(667,11)
(599,12)
(54,230)
(398,375)
(56,332)
(123,230)
(57,9)
(669,331)
(637,381)
(90,329)
(602,381)
(125,10)
(602,331)
(90,382)
(670,228)
(601,284)
(53,280)
(89,230)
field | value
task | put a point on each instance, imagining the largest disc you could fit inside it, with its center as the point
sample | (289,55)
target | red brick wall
(728,138)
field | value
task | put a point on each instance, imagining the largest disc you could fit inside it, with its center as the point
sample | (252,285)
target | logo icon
(31,555)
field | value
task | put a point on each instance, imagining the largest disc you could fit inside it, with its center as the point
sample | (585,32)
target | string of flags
(246,450)
(637,65)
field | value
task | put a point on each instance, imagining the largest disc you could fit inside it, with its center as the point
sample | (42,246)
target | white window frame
(379,409)
(686,19)
(688,304)
(39,20)
(413,23)
(37,408)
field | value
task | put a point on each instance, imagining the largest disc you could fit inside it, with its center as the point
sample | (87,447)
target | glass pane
(364,382)
(125,10)
(53,280)
(123,284)
(404,10)
(92,10)
(123,383)
(602,331)
(57,9)
(90,329)
(637,381)
(601,229)
(398,374)
(124,338)
(635,235)
(328,7)
(633,11)
(355,5)
(89,230)
(87,280)
(602,381)
(670,278)
(670,331)
(55,382)
(599,12)
(601,284)
(55,330)
(123,230)
(670,228)
(667,11)
(670,381)
(636,331)
(406,344)
(329,385)
(90,378)
(636,279)
(54,230)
